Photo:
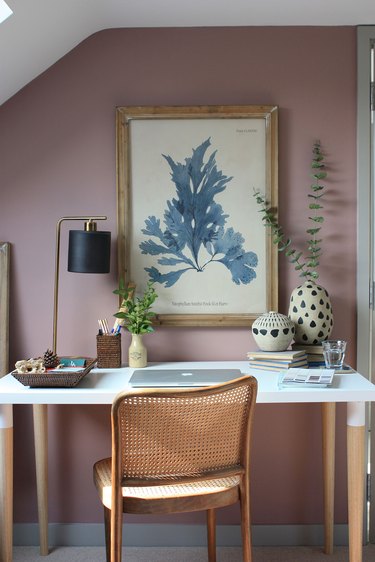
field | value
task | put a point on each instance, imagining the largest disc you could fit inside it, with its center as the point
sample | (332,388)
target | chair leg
(107,531)
(245,523)
(211,535)
(116,534)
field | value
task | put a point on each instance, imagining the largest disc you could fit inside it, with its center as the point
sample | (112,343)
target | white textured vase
(311,311)
(273,331)
(137,352)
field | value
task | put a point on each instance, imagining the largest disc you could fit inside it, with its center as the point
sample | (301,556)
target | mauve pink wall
(57,157)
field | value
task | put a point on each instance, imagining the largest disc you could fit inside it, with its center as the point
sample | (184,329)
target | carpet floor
(198,554)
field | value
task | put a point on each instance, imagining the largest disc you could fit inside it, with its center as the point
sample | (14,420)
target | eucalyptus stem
(306,265)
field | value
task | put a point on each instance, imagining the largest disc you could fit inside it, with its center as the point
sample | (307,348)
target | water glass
(334,353)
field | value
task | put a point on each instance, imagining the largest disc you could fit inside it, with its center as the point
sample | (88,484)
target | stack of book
(277,360)
(314,353)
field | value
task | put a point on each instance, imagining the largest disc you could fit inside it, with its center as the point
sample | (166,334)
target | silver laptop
(156,378)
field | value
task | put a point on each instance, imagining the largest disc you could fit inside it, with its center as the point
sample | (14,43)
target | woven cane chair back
(181,435)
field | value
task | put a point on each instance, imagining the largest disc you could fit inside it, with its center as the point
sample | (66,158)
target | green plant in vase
(136,316)
(310,307)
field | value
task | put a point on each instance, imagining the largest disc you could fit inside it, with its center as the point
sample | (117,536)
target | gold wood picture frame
(187,217)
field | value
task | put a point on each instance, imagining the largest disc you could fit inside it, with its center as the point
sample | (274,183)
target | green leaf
(290,252)
(318,157)
(315,206)
(317,219)
(320,175)
(295,258)
(313,231)
(265,219)
(314,250)
(283,247)
(314,242)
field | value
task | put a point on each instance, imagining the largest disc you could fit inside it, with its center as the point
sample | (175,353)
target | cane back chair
(178,450)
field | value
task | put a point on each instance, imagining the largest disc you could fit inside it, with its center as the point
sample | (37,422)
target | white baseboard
(142,535)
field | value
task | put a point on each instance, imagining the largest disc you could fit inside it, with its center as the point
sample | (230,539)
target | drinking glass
(334,353)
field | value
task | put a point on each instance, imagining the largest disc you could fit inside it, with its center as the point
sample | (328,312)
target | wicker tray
(60,378)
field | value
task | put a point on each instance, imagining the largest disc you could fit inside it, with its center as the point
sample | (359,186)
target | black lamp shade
(89,251)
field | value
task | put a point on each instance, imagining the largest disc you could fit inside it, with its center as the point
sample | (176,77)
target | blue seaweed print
(194,233)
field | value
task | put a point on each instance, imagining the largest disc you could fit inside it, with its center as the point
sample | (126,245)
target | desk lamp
(89,252)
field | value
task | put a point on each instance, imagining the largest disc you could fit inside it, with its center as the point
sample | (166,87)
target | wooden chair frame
(229,409)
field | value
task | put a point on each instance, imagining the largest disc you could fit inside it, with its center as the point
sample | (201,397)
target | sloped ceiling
(42,31)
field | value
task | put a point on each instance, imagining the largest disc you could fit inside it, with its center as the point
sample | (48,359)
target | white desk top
(100,386)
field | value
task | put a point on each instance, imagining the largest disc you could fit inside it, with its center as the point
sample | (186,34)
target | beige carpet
(224,554)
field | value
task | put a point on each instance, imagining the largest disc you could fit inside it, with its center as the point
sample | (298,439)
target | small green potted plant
(310,307)
(136,316)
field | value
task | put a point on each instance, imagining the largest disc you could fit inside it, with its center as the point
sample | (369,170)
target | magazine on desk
(307,378)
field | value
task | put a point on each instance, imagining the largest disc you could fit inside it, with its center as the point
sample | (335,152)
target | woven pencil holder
(108,351)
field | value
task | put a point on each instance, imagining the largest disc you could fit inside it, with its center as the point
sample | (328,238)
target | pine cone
(50,359)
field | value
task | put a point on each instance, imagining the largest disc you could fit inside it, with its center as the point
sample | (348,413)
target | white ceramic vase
(273,331)
(311,311)
(137,353)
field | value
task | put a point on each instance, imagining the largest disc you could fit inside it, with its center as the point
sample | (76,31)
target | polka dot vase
(273,331)
(311,311)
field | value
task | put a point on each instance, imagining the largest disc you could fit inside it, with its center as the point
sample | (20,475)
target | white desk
(101,386)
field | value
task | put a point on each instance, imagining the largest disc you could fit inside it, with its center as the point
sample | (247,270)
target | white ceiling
(41,31)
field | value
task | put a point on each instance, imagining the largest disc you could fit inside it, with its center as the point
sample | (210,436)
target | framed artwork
(187,216)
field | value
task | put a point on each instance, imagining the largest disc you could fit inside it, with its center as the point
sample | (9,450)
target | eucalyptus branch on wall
(306,263)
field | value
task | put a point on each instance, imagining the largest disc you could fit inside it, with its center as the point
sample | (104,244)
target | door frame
(365,244)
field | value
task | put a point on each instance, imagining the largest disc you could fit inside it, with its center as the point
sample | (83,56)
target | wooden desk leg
(356,464)
(6,483)
(328,426)
(40,412)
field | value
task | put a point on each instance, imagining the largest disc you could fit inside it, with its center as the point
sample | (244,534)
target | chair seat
(224,488)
